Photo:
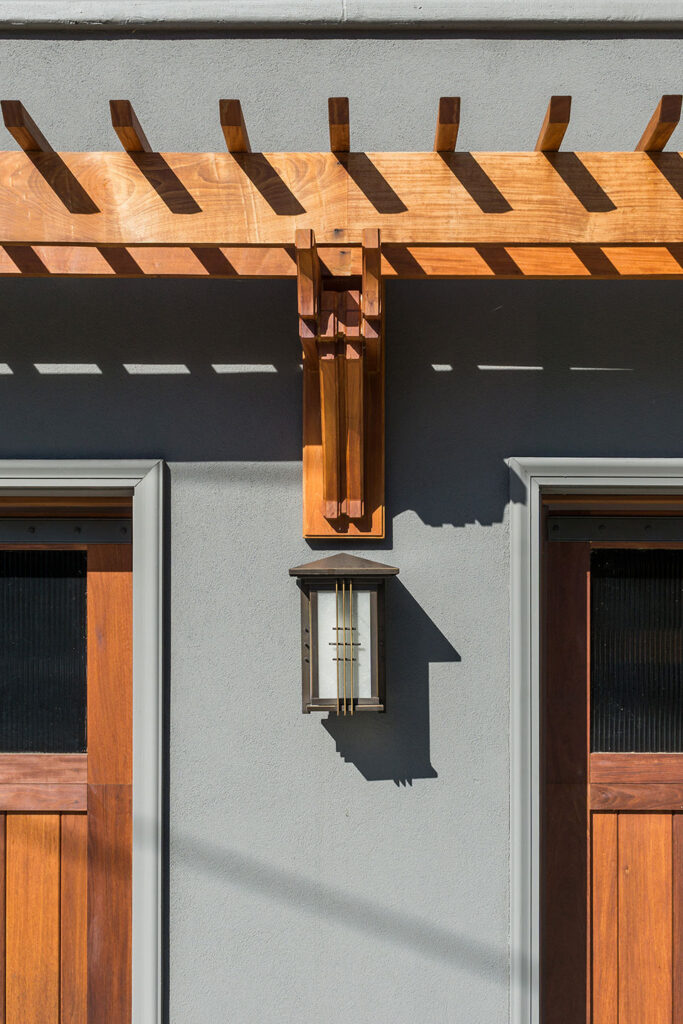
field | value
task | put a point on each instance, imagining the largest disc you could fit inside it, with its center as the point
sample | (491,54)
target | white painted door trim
(144,480)
(529,478)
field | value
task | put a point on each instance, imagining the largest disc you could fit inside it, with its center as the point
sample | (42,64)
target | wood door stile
(605,943)
(109,845)
(73,920)
(564,830)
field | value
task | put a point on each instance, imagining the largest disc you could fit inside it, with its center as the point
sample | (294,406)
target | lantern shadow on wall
(394,745)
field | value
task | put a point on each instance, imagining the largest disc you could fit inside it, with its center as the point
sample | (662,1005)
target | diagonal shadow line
(371,182)
(265,178)
(26,259)
(671,166)
(595,260)
(476,182)
(165,183)
(63,182)
(676,250)
(499,260)
(579,179)
(121,261)
(306,894)
(402,260)
(214,261)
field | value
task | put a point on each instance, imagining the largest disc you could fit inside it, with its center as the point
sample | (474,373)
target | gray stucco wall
(354,872)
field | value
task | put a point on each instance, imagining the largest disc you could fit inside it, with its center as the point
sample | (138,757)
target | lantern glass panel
(344,643)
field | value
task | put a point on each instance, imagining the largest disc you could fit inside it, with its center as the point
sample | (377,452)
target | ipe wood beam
(341,333)
(662,124)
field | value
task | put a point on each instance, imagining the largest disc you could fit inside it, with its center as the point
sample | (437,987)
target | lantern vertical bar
(336,634)
(344,636)
(351,634)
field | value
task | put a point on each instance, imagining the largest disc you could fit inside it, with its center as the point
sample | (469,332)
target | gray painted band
(18,530)
(226,15)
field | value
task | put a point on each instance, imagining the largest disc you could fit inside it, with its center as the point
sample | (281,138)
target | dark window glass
(43,651)
(636,650)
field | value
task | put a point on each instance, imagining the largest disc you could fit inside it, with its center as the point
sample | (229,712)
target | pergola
(341,223)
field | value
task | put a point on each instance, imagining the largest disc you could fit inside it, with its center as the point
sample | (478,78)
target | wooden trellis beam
(234,128)
(447,124)
(662,124)
(416,199)
(23,128)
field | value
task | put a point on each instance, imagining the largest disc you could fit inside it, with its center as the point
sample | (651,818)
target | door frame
(529,479)
(143,479)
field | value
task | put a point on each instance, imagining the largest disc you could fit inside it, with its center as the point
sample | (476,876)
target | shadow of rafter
(62,182)
(265,178)
(670,165)
(579,179)
(165,183)
(371,182)
(476,182)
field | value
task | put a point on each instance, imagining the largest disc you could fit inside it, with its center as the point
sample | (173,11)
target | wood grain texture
(340,128)
(234,128)
(74,919)
(23,128)
(110,664)
(636,768)
(405,262)
(330,429)
(651,796)
(32,919)
(43,797)
(605,934)
(126,125)
(260,199)
(355,429)
(677,885)
(109,904)
(3,930)
(447,124)
(45,768)
(645,918)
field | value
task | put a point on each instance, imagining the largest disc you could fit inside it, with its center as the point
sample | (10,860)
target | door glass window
(43,651)
(636,650)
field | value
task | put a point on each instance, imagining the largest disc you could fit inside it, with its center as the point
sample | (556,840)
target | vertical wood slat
(110,664)
(32,919)
(330,428)
(605,932)
(73,900)
(3,875)
(109,904)
(677,993)
(645,918)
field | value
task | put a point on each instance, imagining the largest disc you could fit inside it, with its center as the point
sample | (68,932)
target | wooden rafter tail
(555,124)
(21,125)
(234,128)
(662,124)
(447,124)
(340,130)
(127,127)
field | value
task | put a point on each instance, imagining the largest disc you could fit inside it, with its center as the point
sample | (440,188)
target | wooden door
(612,780)
(66,830)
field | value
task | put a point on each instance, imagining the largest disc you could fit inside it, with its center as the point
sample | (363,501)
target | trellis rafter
(442,214)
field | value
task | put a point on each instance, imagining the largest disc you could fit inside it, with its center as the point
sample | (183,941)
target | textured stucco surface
(354,872)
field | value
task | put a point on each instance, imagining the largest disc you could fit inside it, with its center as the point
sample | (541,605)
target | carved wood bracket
(342,337)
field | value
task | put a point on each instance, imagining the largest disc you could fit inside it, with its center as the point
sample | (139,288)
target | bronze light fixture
(342,634)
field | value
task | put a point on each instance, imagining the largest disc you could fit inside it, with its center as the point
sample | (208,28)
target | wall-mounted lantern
(342,634)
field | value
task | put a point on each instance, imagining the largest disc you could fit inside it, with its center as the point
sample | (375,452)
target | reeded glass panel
(636,650)
(344,644)
(43,651)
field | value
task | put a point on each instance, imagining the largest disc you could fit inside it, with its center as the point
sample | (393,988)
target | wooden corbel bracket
(341,332)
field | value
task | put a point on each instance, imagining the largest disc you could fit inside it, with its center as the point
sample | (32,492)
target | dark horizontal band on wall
(18,530)
(615,528)
(337,15)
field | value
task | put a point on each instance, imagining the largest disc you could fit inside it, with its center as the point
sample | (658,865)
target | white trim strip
(202,15)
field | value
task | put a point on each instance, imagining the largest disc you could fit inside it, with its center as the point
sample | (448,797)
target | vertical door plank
(32,920)
(605,963)
(678,918)
(110,664)
(74,889)
(645,918)
(3,875)
(109,904)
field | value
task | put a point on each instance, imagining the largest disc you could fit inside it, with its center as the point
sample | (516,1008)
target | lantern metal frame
(329,574)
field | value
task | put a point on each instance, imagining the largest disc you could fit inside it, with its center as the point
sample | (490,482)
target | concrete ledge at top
(224,15)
